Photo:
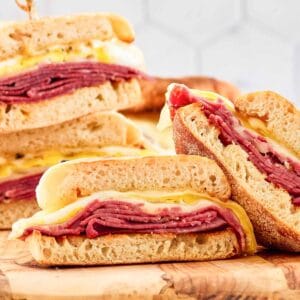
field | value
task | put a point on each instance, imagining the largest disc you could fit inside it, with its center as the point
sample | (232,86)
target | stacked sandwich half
(61,81)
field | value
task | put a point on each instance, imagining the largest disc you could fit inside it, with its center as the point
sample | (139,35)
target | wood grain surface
(268,275)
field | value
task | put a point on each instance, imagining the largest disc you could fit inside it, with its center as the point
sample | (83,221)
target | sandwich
(60,68)
(135,210)
(57,69)
(255,139)
(25,155)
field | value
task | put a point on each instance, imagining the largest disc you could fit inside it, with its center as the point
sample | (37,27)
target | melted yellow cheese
(49,158)
(152,202)
(107,52)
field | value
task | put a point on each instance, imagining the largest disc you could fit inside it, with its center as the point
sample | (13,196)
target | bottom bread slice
(132,248)
(14,210)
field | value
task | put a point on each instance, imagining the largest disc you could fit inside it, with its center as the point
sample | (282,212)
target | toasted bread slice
(133,248)
(94,131)
(14,210)
(279,115)
(275,219)
(153,91)
(34,35)
(107,96)
(82,178)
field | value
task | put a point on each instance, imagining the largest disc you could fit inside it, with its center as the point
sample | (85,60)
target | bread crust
(14,210)
(157,173)
(31,36)
(270,229)
(132,248)
(281,117)
(154,90)
(107,96)
(94,131)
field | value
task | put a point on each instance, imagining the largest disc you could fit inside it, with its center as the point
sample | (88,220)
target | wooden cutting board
(268,275)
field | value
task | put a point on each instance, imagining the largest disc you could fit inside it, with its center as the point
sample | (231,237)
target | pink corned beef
(282,171)
(56,79)
(119,217)
(19,189)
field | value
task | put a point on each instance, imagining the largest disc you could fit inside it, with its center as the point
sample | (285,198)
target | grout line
(146,8)
(243,10)
(296,73)
(169,31)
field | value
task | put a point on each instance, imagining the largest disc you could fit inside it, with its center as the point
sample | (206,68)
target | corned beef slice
(51,80)
(117,217)
(19,189)
(280,170)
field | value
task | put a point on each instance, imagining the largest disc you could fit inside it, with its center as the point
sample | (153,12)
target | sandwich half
(135,210)
(25,155)
(256,141)
(60,68)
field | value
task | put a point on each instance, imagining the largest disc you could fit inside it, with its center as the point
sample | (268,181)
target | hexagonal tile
(132,10)
(196,19)
(282,16)
(252,59)
(165,54)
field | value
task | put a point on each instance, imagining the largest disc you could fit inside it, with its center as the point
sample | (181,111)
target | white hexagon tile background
(254,44)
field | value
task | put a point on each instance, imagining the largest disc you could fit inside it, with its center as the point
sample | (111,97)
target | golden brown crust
(28,37)
(270,229)
(281,117)
(132,248)
(94,131)
(14,210)
(107,96)
(154,90)
(157,173)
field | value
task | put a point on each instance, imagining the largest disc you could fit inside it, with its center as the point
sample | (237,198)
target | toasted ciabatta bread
(91,131)
(132,248)
(279,115)
(153,91)
(14,210)
(161,173)
(275,219)
(63,188)
(34,35)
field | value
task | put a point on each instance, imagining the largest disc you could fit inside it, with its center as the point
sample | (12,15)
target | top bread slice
(276,221)
(90,131)
(31,36)
(158,173)
(280,116)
